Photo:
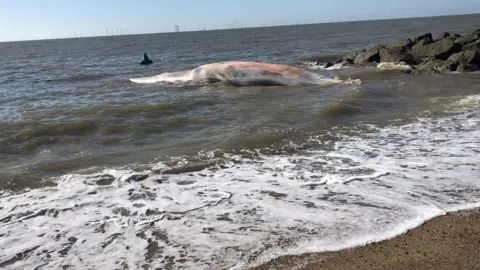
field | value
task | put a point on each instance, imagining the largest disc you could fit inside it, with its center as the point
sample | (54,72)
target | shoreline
(451,241)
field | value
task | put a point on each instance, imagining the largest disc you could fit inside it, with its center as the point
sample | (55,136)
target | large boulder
(397,52)
(348,58)
(437,65)
(405,44)
(452,38)
(446,35)
(372,55)
(466,39)
(397,56)
(465,57)
(426,38)
(475,46)
(441,49)
(443,35)
(425,41)
(467,68)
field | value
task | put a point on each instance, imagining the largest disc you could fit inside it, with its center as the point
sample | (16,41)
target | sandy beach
(447,242)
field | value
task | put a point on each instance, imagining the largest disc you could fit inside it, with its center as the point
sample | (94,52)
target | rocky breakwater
(423,53)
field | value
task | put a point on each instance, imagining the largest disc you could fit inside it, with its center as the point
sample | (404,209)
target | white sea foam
(315,66)
(393,66)
(469,101)
(382,66)
(338,194)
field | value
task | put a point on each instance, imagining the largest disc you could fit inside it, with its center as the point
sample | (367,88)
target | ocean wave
(79,78)
(33,136)
(466,102)
(122,110)
(250,207)
(339,109)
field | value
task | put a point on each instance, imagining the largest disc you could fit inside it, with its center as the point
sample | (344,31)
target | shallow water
(307,168)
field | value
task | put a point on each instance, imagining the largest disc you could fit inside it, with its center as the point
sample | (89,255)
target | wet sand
(447,242)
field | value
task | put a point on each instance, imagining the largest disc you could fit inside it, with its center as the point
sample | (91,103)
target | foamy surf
(323,66)
(393,66)
(386,66)
(242,74)
(336,194)
(467,102)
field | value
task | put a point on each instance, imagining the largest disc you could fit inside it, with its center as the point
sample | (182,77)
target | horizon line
(238,28)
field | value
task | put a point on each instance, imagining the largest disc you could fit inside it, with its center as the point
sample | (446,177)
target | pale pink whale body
(242,74)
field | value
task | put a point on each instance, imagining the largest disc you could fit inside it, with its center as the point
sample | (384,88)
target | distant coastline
(247,27)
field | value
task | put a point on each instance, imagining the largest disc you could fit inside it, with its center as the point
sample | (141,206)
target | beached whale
(242,74)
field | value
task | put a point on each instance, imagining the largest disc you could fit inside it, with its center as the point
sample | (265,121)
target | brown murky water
(67,104)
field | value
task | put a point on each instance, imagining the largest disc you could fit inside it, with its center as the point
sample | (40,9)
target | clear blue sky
(38,19)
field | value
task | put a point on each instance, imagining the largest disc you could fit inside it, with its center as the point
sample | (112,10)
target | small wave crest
(468,102)
(338,109)
(79,78)
(393,66)
(350,81)
(323,66)
(99,122)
